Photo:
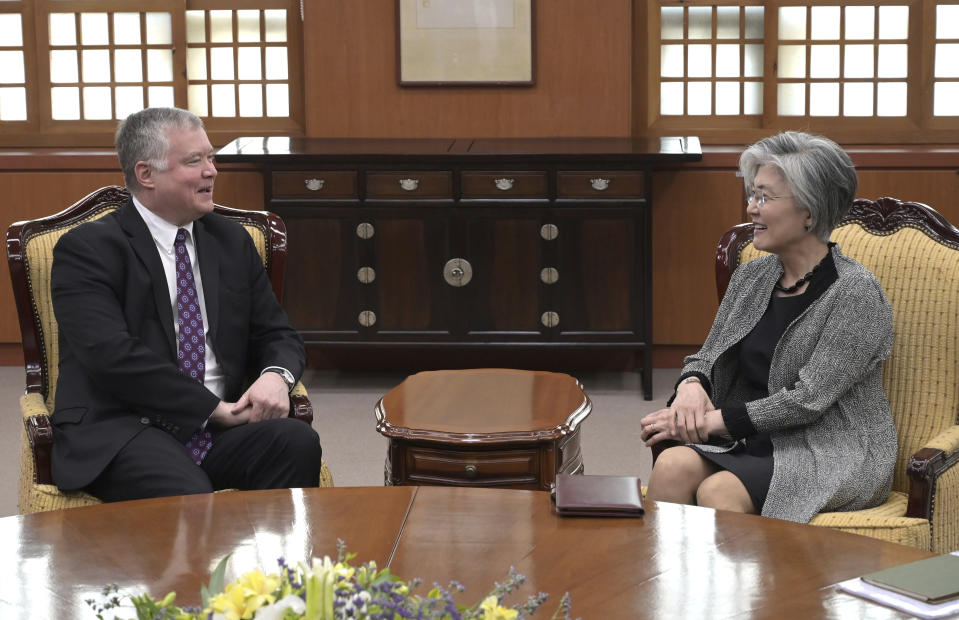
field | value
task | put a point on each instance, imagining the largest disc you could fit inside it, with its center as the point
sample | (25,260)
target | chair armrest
(36,424)
(926,467)
(300,406)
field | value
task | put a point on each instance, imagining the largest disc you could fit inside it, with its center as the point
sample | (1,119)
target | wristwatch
(283,372)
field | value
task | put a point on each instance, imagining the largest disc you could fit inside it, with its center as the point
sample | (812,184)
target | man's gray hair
(818,172)
(142,137)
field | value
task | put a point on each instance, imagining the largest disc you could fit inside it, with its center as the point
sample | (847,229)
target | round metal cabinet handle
(314,185)
(366,275)
(548,231)
(549,275)
(367,318)
(471,471)
(365,230)
(457,272)
(550,319)
(599,184)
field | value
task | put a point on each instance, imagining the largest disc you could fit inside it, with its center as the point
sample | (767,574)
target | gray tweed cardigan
(834,442)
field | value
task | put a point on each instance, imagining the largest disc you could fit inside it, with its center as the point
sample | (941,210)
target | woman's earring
(808,227)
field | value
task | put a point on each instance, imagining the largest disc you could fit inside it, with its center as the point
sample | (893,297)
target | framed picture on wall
(465,42)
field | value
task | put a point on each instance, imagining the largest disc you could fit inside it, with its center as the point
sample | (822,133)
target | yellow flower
(259,589)
(242,598)
(492,610)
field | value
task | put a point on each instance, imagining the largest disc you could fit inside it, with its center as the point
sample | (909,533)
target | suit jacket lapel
(209,258)
(145,248)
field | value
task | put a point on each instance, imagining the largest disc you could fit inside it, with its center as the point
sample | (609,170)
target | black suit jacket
(118,370)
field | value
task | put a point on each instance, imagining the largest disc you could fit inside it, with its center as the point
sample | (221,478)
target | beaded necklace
(802,280)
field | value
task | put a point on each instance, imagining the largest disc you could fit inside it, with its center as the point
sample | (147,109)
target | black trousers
(272,454)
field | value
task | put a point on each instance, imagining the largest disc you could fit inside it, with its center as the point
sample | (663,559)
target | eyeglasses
(761,199)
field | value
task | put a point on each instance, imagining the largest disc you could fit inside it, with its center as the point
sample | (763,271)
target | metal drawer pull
(548,231)
(549,275)
(366,275)
(550,319)
(470,471)
(314,185)
(365,230)
(504,184)
(599,184)
(457,272)
(367,318)
(409,184)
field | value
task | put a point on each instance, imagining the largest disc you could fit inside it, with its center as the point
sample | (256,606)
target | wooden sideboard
(458,243)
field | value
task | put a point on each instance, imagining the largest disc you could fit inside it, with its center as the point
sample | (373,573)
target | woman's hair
(819,174)
(142,136)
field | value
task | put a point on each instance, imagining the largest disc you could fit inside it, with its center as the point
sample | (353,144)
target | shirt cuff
(737,420)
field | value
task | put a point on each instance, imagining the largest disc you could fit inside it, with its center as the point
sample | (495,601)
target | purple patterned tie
(191,341)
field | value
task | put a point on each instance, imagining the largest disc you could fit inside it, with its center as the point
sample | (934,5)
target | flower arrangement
(327,590)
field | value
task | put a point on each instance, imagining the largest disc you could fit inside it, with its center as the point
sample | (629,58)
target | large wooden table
(676,562)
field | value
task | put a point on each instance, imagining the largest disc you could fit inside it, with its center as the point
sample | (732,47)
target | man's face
(184,191)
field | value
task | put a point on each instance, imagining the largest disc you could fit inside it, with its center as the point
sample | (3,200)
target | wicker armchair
(914,252)
(30,256)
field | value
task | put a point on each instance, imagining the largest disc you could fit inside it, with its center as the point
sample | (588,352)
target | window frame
(40,129)
(917,126)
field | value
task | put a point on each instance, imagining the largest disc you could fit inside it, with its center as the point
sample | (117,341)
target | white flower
(277,609)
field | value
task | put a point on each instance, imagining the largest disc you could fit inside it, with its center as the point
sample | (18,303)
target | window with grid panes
(94,62)
(854,68)
(850,61)
(946,65)
(13,78)
(711,60)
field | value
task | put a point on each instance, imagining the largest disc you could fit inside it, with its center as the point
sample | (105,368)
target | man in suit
(166,313)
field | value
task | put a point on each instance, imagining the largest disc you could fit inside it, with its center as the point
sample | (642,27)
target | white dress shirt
(164,235)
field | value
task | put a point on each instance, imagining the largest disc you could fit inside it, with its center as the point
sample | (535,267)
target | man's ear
(144,173)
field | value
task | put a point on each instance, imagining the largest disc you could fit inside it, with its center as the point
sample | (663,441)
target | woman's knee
(724,491)
(678,461)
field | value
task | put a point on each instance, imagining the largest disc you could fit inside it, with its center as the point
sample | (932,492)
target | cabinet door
(321,294)
(409,296)
(601,273)
(503,300)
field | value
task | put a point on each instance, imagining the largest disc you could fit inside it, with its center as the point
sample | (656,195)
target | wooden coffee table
(485,427)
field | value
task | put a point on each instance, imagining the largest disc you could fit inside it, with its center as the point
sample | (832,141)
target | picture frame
(465,42)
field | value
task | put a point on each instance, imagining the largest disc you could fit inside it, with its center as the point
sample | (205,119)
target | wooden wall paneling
(936,188)
(691,210)
(583,87)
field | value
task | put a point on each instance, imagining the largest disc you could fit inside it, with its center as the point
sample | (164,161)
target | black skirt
(752,463)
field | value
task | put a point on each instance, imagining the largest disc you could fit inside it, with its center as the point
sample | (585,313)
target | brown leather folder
(598,496)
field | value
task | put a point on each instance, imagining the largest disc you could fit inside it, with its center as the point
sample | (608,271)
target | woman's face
(779,222)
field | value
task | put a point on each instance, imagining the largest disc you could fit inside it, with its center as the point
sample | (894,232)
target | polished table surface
(676,562)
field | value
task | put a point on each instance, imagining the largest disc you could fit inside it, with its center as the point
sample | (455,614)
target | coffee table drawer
(407,185)
(428,465)
(315,184)
(601,184)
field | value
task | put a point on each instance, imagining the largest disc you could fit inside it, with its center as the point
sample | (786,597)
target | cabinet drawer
(601,184)
(315,184)
(393,185)
(503,184)
(490,467)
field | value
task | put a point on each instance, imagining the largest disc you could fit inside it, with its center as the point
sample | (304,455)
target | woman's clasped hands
(684,420)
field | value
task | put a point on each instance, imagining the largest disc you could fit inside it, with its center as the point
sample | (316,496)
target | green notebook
(932,580)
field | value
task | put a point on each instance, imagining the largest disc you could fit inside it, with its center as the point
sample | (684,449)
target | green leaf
(216,582)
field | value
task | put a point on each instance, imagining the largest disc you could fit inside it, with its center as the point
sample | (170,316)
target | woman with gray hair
(782,411)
